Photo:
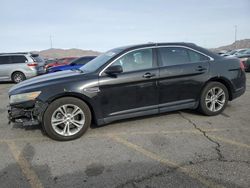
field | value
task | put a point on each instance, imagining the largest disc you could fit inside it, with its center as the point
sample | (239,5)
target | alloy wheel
(68,120)
(18,77)
(215,99)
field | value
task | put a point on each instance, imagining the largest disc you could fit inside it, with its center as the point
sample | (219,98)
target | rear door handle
(148,75)
(200,68)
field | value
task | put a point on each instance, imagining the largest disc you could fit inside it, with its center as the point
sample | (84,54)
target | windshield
(82,60)
(99,61)
(75,61)
(241,51)
(246,52)
(232,52)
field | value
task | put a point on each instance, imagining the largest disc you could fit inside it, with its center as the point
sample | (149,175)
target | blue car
(76,64)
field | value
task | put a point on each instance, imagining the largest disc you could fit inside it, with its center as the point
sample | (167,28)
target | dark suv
(127,82)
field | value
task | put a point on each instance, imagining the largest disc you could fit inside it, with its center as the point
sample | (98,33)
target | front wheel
(214,99)
(66,119)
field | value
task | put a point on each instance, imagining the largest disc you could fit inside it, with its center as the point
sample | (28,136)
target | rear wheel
(18,77)
(214,99)
(66,118)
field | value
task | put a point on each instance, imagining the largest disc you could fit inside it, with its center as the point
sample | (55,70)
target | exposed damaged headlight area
(23,97)
(28,113)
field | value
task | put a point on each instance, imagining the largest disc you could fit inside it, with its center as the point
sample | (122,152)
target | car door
(4,67)
(183,72)
(134,91)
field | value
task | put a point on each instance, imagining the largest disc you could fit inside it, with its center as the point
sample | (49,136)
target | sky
(27,25)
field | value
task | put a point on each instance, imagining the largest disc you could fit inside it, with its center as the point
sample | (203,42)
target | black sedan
(128,82)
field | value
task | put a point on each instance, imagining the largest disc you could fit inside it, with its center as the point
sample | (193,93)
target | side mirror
(116,69)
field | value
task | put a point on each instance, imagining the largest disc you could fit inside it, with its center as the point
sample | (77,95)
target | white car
(234,53)
(17,67)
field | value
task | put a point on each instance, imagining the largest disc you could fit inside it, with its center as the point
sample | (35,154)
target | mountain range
(245,43)
(59,53)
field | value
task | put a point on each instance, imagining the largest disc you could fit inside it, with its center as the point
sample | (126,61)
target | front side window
(18,59)
(136,60)
(176,55)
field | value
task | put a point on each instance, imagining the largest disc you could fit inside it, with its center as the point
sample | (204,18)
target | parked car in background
(20,66)
(245,53)
(233,53)
(128,82)
(59,62)
(49,60)
(245,58)
(76,64)
(222,52)
(238,53)
(247,64)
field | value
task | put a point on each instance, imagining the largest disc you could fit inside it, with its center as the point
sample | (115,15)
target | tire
(18,77)
(62,110)
(210,104)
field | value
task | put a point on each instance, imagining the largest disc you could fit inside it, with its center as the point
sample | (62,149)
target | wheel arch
(225,82)
(16,71)
(78,96)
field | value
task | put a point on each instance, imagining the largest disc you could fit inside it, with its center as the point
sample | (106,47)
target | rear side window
(18,59)
(177,55)
(4,60)
(36,58)
(196,57)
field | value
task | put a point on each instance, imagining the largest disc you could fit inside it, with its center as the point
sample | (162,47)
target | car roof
(185,44)
(157,44)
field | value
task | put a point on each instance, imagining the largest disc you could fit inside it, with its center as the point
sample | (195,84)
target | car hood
(45,80)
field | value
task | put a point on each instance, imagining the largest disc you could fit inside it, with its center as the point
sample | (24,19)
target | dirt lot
(179,149)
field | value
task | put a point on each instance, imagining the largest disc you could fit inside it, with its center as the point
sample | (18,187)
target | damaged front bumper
(28,113)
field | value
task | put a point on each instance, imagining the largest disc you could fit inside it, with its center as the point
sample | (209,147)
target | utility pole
(235,36)
(50,38)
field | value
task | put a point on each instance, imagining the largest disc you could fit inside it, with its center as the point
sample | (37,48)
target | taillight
(242,66)
(32,64)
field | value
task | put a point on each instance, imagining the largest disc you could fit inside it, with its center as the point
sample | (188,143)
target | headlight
(24,97)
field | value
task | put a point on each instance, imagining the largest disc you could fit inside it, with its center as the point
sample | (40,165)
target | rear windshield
(37,58)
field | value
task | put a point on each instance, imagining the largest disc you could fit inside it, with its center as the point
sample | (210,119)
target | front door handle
(200,68)
(148,75)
